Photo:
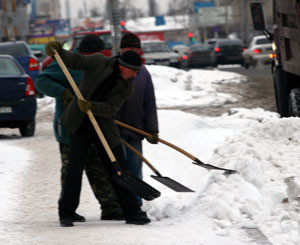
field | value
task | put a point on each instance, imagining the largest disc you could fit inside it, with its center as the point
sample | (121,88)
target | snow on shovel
(196,160)
(125,179)
(172,184)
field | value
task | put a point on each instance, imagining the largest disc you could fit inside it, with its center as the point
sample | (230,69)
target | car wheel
(27,128)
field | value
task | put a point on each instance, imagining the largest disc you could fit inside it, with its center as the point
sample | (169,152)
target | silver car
(258,51)
(160,53)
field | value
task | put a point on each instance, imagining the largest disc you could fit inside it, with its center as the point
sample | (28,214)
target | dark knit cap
(131,60)
(90,44)
(130,41)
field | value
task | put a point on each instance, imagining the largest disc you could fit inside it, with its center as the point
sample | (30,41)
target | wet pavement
(256,92)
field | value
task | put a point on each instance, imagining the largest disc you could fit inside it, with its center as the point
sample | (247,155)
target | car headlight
(174,59)
(274,46)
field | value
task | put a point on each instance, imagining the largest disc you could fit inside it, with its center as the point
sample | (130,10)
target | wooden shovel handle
(130,147)
(124,125)
(89,112)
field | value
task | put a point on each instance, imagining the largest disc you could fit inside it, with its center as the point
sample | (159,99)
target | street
(213,214)
(257,92)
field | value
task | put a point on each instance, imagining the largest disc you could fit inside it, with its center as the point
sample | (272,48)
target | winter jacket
(52,82)
(139,110)
(98,69)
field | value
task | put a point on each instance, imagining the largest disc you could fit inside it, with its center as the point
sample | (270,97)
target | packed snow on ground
(224,209)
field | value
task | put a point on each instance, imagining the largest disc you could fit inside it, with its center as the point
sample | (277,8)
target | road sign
(202,5)
(215,16)
(160,20)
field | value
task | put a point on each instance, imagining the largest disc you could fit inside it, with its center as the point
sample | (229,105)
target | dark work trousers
(80,142)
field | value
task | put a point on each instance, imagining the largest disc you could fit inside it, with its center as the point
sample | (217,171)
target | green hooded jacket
(52,82)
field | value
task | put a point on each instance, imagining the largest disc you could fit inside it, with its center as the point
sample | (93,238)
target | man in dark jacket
(107,83)
(138,111)
(52,82)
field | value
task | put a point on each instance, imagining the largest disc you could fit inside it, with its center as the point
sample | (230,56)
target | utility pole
(244,21)
(114,17)
(68,13)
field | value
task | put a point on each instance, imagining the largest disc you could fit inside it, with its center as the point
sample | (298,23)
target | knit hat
(90,44)
(130,41)
(131,60)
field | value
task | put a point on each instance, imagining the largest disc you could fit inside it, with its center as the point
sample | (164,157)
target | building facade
(14,20)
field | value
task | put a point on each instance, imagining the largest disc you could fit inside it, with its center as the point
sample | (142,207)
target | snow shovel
(172,184)
(196,160)
(125,179)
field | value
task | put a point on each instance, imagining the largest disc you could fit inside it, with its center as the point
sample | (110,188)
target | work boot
(115,214)
(139,218)
(66,222)
(78,218)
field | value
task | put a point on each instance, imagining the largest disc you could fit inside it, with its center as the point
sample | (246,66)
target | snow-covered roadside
(175,88)
(32,216)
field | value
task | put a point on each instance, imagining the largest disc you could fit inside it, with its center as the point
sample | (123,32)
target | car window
(201,48)
(106,37)
(14,49)
(8,67)
(156,47)
(263,41)
(68,44)
(229,43)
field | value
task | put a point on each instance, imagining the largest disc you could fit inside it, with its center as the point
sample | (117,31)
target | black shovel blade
(209,166)
(174,185)
(137,186)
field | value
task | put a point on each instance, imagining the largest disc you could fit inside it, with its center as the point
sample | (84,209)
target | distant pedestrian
(106,84)
(138,111)
(52,82)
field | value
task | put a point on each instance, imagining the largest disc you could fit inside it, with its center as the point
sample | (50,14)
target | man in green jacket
(106,84)
(52,82)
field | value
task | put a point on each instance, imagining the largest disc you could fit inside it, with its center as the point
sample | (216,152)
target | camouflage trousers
(97,175)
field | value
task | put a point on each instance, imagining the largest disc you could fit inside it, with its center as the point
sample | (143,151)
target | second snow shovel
(172,184)
(196,160)
(125,179)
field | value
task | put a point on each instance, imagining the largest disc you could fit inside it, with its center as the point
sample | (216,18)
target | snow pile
(194,88)
(264,153)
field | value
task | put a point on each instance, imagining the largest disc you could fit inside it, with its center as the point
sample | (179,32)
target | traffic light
(191,37)
(190,34)
(123,23)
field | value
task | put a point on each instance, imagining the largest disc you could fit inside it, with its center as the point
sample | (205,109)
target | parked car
(201,55)
(259,51)
(229,51)
(72,43)
(211,41)
(160,53)
(17,97)
(182,51)
(38,51)
(22,53)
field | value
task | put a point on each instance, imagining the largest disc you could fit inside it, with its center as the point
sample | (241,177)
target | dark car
(229,51)
(201,55)
(17,97)
(22,53)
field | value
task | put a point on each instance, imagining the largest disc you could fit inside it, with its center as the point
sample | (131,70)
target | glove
(153,139)
(84,105)
(67,97)
(51,46)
